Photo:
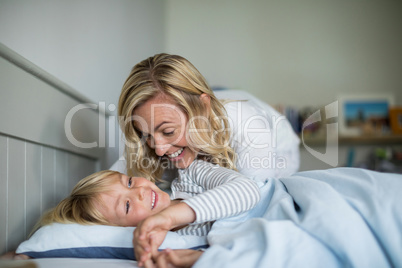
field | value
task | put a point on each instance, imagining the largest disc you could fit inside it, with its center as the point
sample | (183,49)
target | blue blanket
(342,217)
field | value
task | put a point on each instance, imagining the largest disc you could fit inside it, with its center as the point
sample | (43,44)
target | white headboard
(39,162)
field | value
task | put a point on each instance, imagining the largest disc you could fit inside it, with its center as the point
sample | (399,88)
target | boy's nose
(140,193)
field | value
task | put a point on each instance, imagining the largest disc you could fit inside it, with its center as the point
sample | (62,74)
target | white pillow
(94,241)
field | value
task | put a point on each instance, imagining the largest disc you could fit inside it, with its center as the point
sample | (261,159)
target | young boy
(202,193)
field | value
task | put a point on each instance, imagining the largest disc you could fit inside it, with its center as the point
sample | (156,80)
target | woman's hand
(150,233)
(181,258)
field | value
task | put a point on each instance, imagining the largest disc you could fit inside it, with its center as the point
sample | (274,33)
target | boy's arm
(227,193)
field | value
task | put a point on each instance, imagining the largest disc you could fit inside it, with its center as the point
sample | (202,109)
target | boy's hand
(149,235)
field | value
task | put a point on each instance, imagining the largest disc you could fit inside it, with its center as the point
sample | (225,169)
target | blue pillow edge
(85,252)
(91,252)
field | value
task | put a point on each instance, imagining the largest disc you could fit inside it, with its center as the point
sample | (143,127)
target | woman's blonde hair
(176,77)
(81,205)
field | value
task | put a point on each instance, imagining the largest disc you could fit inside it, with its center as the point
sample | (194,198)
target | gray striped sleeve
(227,193)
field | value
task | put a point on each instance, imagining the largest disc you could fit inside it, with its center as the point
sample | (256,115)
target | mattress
(68,263)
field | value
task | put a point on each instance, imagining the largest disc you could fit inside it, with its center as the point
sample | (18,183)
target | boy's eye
(127,206)
(130,180)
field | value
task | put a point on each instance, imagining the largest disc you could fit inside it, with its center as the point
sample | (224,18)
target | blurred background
(295,55)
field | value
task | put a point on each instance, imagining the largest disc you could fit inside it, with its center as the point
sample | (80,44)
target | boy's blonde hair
(176,77)
(81,205)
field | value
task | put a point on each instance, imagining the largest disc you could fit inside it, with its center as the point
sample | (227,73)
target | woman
(169,115)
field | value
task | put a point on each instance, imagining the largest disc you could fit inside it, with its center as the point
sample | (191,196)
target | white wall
(296,53)
(89,44)
(291,52)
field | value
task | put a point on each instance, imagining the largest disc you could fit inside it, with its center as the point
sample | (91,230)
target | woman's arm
(221,192)
(181,258)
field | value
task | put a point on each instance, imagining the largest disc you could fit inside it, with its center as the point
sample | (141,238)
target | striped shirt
(213,192)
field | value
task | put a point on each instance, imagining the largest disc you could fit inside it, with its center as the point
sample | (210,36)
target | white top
(263,139)
(213,192)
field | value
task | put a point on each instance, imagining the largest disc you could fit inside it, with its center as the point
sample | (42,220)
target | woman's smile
(176,155)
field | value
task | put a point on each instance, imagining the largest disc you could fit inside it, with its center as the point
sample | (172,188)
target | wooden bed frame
(41,157)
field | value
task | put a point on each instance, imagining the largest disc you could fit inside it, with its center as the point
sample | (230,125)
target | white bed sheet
(70,262)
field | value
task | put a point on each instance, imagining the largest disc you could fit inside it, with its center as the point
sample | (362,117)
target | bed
(333,218)
(51,136)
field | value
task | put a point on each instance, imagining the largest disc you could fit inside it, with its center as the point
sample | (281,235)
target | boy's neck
(174,202)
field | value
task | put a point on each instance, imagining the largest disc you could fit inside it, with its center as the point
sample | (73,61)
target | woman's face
(163,124)
(131,200)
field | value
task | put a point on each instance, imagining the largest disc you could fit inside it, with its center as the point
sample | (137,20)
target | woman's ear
(206,99)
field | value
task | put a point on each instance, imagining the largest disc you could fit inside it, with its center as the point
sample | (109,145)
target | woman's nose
(160,147)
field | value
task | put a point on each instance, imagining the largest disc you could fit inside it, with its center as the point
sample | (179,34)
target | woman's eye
(127,206)
(168,133)
(143,136)
(130,181)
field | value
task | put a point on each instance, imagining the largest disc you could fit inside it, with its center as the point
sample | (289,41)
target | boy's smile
(131,200)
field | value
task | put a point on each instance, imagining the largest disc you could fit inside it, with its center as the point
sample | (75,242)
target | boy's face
(131,200)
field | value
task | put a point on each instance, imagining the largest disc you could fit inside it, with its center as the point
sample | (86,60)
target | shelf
(319,140)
